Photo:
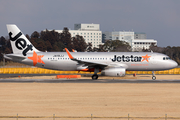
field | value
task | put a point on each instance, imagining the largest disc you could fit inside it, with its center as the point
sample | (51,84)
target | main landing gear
(95,76)
(153,76)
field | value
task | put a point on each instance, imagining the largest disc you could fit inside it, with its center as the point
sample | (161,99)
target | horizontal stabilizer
(12,56)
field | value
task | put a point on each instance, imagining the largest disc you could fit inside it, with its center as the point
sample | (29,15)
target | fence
(46,71)
(54,117)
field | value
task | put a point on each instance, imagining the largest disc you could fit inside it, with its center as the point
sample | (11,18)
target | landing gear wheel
(95,77)
(154,77)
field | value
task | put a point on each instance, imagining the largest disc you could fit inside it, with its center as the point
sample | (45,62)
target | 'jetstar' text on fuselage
(124,58)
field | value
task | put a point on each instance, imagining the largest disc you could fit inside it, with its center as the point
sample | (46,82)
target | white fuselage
(130,60)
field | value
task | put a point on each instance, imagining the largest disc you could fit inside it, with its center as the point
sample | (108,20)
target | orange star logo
(146,58)
(36,58)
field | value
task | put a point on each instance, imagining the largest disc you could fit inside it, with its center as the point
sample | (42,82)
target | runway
(43,78)
(139,96)
(85,81)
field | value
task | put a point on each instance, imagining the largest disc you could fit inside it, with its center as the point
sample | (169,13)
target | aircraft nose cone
(174,64)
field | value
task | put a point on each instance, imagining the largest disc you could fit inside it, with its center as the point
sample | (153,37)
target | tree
(35,34)
(89,47)
(41,45)
(8,45)
(116,46)
(155,48)
(7,51)
(2,41)
(48,46)
(79,43)
(65,38)
(27,36)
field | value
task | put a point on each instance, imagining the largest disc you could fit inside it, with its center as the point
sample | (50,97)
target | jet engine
(81,67)
(117,71)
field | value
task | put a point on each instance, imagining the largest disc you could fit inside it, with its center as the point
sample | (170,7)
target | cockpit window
(166,58)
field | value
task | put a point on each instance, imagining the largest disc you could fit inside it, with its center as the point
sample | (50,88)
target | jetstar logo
(20,43)
(130,58)
(146,58)
(36,58)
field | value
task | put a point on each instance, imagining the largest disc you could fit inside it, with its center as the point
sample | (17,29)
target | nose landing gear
(153,76)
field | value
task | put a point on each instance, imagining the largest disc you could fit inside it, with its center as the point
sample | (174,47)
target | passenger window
(163,58)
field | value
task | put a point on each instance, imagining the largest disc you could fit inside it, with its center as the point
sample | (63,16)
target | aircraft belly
(140,66)
(61,65)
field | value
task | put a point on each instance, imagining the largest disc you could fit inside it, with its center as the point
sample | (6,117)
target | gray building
(139,35)
(90,32)
(106,36)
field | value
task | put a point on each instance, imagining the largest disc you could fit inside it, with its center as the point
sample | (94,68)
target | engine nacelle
(82,67)
(114,72)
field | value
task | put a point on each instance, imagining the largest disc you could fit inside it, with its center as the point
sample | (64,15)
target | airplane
(108,63)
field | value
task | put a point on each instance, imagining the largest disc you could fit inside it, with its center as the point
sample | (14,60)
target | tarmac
(108,96)
(29,78)
(86,81)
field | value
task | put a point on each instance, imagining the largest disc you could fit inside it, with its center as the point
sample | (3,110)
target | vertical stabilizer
(19,42)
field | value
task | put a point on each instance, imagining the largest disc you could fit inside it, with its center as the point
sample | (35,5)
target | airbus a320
(108,63)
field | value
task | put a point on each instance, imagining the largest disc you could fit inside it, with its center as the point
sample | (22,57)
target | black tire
(154,77)
(95,77)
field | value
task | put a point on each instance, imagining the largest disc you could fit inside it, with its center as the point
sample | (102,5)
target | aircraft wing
(86,63)
(90,64)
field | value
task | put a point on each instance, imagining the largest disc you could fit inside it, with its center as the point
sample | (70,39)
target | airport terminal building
(137,41)
(139,44)
(90,32)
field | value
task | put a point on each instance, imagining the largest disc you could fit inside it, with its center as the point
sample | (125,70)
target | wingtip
(70,56)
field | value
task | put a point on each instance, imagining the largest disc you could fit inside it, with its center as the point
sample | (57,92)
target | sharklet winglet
(70,56)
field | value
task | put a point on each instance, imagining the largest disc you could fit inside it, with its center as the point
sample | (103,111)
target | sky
(159,19)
